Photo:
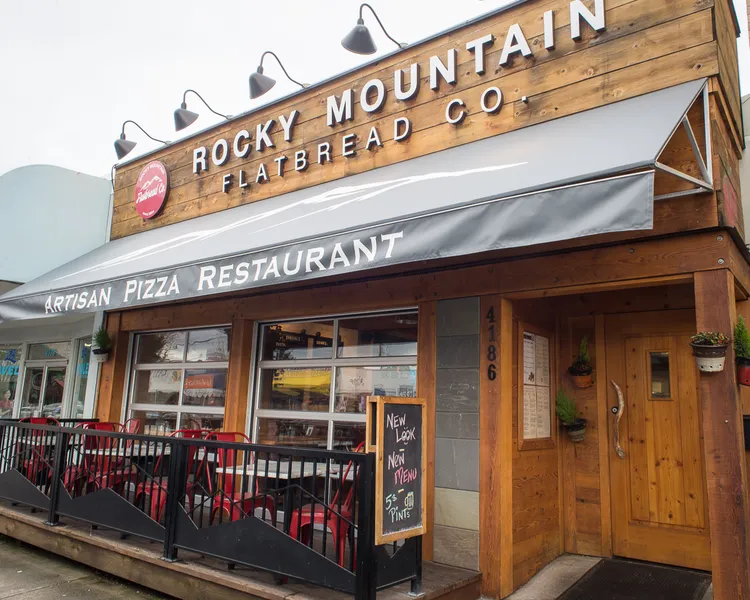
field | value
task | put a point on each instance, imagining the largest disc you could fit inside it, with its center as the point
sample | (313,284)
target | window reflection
(9,360)
(298,341)
(293,432)
(660,384)
(205,387)
(296,389)
(163,347)
(376,336)
(354,384)
(160,386)
(208,345)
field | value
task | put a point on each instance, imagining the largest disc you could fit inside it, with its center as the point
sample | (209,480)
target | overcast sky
(72,70)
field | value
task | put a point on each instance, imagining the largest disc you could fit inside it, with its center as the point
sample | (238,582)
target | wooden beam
(606,286)
(426,370)
(238,377)
(724,448)
(496,447)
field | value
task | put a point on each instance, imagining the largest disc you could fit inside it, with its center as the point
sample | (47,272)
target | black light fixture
(124,146)
(359,40)
(184,117)
(260,83)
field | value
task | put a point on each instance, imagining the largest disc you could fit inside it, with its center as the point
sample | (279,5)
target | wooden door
(659,509)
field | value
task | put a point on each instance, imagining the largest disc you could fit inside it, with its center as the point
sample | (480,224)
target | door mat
(617,579)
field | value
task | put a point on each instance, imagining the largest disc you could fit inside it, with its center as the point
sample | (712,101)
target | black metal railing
(305,514)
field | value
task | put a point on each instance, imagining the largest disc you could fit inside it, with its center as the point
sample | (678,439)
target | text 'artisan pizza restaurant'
(536,208)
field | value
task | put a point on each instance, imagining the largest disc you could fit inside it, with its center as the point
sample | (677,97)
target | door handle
(618,412)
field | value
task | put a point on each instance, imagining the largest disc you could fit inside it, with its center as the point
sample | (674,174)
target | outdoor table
(282,471)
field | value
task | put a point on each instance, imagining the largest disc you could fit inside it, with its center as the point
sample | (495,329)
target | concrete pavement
(30,574)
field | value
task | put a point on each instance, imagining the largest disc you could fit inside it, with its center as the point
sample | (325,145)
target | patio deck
(195,576)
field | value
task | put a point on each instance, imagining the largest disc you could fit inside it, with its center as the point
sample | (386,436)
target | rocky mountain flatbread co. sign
(151,189)
(372,99)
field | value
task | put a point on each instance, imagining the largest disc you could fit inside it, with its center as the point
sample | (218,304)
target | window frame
(178,409)
(331,418)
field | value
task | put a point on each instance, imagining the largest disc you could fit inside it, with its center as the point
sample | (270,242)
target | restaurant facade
(450,222)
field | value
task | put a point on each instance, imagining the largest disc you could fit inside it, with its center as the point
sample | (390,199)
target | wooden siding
(648,45)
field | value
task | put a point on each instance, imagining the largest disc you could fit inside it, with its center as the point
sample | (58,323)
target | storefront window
(9,358)
(179,380)
(53,351)
(308,395)
(81,378)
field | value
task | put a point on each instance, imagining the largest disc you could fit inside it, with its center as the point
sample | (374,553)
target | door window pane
(163,347)
(374,336)
(348,436)
(155,423)
(32,391)
(198,421)
(160,386)
(295,389)
(660,385)
(82,377)
(293,432)
(298,341)
(9,358)
(205,387)
(354,384)
(58,350)
(208,345)
(54,391)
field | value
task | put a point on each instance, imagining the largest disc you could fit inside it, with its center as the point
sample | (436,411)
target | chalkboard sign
(396,433)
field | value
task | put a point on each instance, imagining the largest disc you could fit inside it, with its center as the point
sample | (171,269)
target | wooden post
(724,448)
(112,374)
(496,447)
(238,376)
(426,374)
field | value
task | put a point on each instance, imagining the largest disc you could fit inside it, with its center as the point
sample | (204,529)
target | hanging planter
(565,407)
(101,345)
(581,371)
(742,351)
(710,351)
(100,356)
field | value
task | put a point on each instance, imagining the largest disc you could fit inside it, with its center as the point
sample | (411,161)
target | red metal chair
(94,464)
(157,489)
(38,450)
(131,426)
(303,519)
(230,500)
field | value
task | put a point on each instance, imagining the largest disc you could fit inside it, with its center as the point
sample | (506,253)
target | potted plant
(565,407)
(581,370)
(102,344)
(742,351)
(710,350)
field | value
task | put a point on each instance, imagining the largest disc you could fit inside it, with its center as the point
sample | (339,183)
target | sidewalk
(30,574)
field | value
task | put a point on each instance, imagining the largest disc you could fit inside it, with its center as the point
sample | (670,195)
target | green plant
(565,407)
(709,338)
(582,364)
(741,339)
(102,340)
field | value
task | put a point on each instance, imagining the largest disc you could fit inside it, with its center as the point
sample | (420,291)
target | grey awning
(581,175)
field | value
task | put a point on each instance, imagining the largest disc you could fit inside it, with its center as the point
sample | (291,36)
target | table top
(284,472)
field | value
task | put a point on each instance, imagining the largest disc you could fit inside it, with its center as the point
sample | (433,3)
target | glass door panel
(54,392)
(32,391)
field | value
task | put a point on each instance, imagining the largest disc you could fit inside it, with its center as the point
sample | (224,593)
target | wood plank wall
(648,45)
(536,502)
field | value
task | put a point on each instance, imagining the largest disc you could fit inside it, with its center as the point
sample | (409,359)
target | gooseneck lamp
(359,40)
(123,146)
(184,117)
(260,83)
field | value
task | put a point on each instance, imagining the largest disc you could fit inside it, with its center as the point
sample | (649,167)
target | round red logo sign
(151,189)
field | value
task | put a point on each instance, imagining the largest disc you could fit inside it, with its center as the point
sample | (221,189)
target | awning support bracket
(700,183)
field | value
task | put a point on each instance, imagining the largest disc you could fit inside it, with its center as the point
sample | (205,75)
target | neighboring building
(51,215)
(451,221)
